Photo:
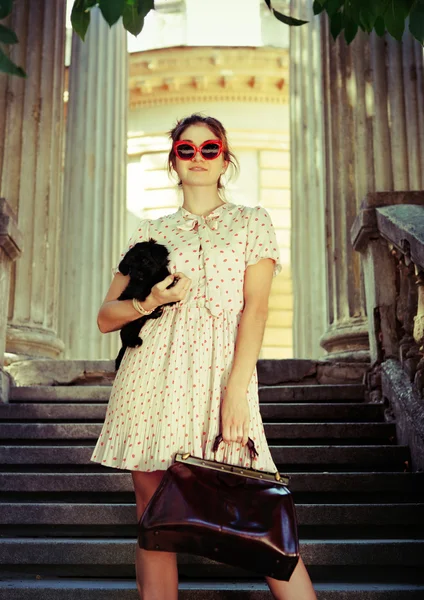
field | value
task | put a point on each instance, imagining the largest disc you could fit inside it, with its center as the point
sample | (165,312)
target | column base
(347,343)
(4,386)
(62,373)
(24,342)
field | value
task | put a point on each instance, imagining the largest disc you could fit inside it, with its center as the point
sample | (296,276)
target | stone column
(10,250)
(95,185)
(31,125)
(307,158)
(362,137)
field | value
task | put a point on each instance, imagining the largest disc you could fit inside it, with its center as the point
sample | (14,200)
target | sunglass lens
(210,150)
(185,151)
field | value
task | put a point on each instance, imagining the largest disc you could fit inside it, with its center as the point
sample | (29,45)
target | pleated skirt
(167,393)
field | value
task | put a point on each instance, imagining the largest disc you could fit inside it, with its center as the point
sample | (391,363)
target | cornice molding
(190,74)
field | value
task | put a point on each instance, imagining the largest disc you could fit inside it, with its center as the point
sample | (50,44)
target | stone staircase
(68,526)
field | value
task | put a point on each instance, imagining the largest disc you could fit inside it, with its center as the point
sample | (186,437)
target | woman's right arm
(114,314)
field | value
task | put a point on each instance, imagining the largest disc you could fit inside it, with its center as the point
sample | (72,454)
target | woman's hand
(235,416)
(162,295)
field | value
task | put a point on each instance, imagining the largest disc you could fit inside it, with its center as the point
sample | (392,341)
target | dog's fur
(146,263)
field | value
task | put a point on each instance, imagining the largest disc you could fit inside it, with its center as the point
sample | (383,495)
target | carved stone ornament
(419,332)
(192,74)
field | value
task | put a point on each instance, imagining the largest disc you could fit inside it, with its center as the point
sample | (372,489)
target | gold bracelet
(140,309)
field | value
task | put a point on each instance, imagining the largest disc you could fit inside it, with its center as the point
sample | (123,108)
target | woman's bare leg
(298,588)
(156,572)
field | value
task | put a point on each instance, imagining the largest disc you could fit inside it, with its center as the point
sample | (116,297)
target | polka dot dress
(167,393)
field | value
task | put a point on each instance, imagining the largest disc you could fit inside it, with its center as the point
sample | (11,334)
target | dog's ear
(124,267)
(133,255)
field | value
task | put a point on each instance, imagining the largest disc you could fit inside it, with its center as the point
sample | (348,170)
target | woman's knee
(145,485)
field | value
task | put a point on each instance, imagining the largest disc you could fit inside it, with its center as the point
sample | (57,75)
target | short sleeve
(262,239)
(140,234)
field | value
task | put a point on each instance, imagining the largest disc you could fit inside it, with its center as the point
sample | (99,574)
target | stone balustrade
(389,234)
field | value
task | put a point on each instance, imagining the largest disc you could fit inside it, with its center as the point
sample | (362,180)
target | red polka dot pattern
(167,393)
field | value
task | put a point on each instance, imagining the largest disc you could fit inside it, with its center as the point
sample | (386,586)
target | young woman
(195,373)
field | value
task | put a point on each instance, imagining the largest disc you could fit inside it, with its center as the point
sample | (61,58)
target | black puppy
(146,263)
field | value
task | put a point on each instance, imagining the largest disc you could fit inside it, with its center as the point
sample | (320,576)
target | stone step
(60,372)
(311,393)
(125,589)
(64,513)
(60,393)
(390,457)
(91,431)
(107,483)
(108,552)
(270,411)
(297,412)
(277,393)
(381,432)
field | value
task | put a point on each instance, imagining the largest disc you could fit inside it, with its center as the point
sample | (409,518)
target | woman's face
(198,170)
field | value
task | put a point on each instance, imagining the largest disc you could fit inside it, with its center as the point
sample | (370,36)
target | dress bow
(190,221)
(187,221)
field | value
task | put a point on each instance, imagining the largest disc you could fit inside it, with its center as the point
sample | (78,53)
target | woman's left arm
(235,410)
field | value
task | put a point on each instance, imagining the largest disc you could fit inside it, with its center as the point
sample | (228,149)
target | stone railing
(10,250)
(389,234)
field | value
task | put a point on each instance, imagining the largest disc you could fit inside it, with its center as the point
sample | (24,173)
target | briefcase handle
(250,445)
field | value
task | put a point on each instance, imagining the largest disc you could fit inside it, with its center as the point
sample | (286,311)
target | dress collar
(187,220)
(216,211)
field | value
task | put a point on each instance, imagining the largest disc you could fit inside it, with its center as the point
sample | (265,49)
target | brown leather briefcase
(241,517)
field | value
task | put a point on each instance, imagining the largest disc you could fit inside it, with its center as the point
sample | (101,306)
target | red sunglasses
(187,150)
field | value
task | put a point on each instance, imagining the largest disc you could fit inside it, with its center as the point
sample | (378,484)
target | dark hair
(215,126)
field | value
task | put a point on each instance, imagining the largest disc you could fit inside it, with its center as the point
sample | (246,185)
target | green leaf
(407,7)
(352,10)
(363,28)
(332,6)
(379,26)
(134,13)
(336,25)
(288,20)
(367,18)
(7,36)
(369,11)
(80,18)
(88,4)
(350,30)
(112,10)
(398,9)
(317,7)
(9,67)
(131,20)
(394,18)
(416,21)
(145,6)
(380,6)
(5,8)
(284,18)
